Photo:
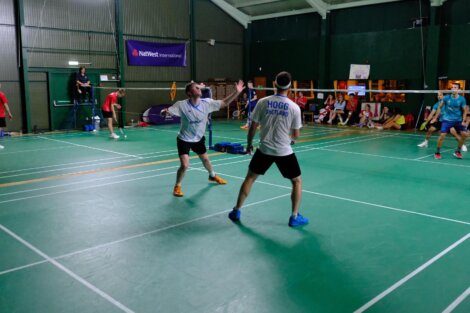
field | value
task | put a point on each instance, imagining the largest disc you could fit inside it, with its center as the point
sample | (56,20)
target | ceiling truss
(242,11)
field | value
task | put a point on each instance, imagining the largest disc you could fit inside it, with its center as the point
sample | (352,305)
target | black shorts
(3,122)
(198,147)
(107,114)
(437,125)
(287,165)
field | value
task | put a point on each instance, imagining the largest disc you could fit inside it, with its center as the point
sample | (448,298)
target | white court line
(390,157)
(352,200)
(47,194)
(411,275)
(84,188)
(35,150)
(107,244)
(125,159)
(86,165)
(122,157)
(120,160)
(105,184)
(68,272)
(430,155)
(89,147)
(107,178)
(457,301)
(368,138)
(86,181)
(84,162)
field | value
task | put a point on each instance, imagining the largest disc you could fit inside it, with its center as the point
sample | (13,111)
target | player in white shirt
(194,113)
(280,122)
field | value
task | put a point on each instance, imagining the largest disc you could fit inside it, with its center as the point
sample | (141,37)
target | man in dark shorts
(194,113)
(109,111)
(454,109)
(433,122)
(280,122)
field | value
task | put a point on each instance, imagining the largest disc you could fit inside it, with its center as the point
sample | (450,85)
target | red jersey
(3,100)
(302,102)
(111,99)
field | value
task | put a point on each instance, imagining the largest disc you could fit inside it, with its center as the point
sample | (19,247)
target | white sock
(212,174)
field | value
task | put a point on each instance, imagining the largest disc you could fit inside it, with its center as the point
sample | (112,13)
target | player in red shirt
(3,108)
(109,113)
(351,107)
(301,101)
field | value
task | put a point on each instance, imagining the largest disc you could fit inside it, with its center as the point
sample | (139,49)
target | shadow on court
(306,278)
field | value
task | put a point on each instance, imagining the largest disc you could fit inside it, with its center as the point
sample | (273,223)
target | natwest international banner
(142,53)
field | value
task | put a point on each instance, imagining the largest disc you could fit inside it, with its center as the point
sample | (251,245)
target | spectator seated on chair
(365,117)
(325,111)
(351,108)
(338,110)
(384,116)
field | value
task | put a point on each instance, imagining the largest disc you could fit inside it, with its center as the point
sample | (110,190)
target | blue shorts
(447,125)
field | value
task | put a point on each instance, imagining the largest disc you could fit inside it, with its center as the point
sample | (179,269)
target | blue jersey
(435,107)
(453,108)
(251,101)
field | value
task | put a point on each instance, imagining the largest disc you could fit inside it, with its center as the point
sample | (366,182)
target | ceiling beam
(282,14)
(253,2)
(359,3)
(236,14)
(320,6)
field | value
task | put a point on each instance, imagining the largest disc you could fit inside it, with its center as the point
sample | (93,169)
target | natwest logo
(148,54)
(135,53)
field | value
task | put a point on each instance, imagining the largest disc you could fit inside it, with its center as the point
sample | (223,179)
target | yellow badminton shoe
(177,191)
(219,180)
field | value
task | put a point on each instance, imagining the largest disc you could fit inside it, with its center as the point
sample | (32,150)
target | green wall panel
(455,44)
(298,57)
(392,54)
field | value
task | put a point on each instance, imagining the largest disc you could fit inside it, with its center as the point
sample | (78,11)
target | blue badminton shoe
(234,215)
(299,220)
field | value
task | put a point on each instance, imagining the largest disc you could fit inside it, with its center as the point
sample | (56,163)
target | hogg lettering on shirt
(278,108)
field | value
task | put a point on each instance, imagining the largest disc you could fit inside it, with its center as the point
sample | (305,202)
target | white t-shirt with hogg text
(277,116)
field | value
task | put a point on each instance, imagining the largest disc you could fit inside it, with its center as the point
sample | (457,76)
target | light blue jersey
(453,108)
(435,107)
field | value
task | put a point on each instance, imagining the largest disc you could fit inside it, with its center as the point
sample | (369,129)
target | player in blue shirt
(454,109)
(251,103)
(433,123)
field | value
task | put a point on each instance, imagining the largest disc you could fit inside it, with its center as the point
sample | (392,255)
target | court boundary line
(89,147)
(66,270)
(457,301)
(390,157)
(87,165)
(108,177)
(106,244)
(35,150)
(353,200)
(124,159)
(430,155)
(84,162)
(106,184)
(411,275)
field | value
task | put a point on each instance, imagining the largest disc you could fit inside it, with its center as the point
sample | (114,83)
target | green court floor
(89,224)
